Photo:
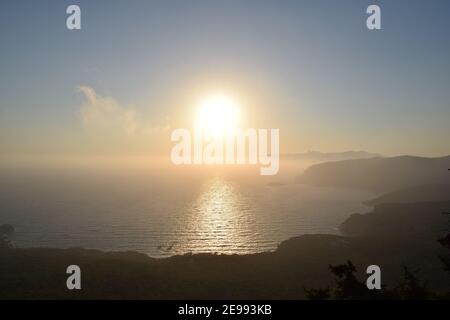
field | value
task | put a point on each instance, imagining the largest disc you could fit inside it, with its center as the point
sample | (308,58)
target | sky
(311,68)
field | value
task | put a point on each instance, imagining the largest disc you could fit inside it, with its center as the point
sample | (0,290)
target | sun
(217,115)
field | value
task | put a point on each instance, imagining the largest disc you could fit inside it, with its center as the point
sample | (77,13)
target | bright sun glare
(217,115)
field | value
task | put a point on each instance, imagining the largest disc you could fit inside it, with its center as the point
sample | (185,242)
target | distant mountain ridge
(425,193)
(316,156)
(379,174)
(388,219)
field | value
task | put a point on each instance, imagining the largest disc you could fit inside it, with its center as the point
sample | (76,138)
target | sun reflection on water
(220,219)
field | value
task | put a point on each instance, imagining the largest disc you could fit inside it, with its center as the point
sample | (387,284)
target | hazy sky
(310,68)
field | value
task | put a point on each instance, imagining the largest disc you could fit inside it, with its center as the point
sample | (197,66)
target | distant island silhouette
(317,156)
(378,174)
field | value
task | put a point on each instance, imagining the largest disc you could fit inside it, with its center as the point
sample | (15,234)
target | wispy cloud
(102,112)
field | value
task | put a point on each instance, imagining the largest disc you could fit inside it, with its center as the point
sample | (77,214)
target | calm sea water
(164,212)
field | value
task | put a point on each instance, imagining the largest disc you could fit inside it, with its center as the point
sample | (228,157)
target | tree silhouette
(348,287)
(410,288)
